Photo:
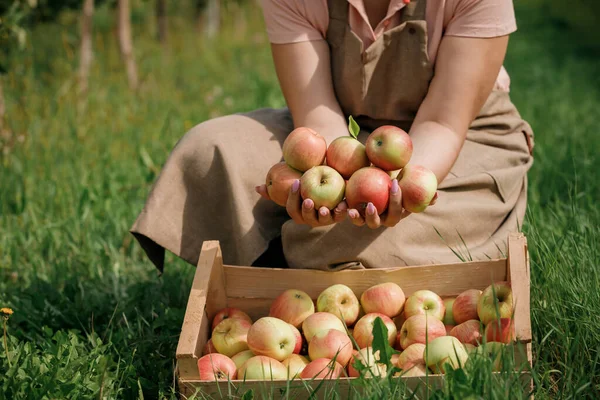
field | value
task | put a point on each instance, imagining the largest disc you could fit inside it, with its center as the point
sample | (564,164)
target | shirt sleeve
(480,18)
(292,21)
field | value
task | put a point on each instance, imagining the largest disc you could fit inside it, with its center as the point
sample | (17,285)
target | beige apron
(206,188)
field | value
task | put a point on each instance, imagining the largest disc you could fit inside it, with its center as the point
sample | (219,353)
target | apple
(229,313)
(299,341)
(394,174)
(322,368)
(420,328)
(495,351)
(292,306)
(363,330)
(262,368)
(295,365)
(501,330)
(465,306)
(399,320)
(240,358)
(321,321)
(394,358)
(418,185)
(469,347)
(425,302)
(369,184)
(331,344)
(304,148)
(209,348)
(495,302)
(449,328)
(216,367)
(231,336)
(444,351)
(389,147)
(347,155)
(411,356)
(468,332)
(279,181)
(368,359)
(272,337)
(415,370)
(324,186)
(449,314)
(384,298)
(341,301)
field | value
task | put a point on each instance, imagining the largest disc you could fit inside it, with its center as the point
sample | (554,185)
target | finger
(309,215)
(262,190)
(340,212)
(355,217)
(371,216)
(325,217)
(394,211)
(434,200)
(294,203)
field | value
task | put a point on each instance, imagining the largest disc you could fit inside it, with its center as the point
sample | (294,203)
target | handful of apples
(308,339)
(347,169)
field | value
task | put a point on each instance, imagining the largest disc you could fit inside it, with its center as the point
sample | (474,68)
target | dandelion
(6,313)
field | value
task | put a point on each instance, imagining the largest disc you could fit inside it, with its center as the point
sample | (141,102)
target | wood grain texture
(519,277)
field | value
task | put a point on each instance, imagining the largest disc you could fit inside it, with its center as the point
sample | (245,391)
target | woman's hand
(303,211)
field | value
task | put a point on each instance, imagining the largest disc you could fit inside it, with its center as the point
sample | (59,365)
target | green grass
(92,317)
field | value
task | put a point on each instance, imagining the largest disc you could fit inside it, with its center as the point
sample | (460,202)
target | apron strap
(414,11)
(338,9)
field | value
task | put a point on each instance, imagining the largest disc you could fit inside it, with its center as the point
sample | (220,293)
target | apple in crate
(262,368)
(443,352)
(465,306)
(501,330)
(295,365)
(366,185)
(420,328)
(209,348)
(322,368)
(468,332)
(240,358)
(415,370)
(216,367)
(384,298)
(231,336)
(493,350)
(412,355)
(449,314)
(279,181)
(304,148)
(324,186)
(389,147)
(341,301)
(347,155)
(272,337)
(425,302)
(363,330)
(292,306)
(331,344)
(368,359)
(495,302)
(229,313)
(299,341)
(321,321)
(418,185)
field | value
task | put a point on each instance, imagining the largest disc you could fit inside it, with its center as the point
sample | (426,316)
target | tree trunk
(2,107)
(86,52)
(213,18)
(161,20)
(125,42)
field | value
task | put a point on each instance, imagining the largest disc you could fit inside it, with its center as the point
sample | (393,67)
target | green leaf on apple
(381,344)
(353,127)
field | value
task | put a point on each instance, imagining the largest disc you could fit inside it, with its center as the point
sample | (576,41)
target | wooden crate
(252,290)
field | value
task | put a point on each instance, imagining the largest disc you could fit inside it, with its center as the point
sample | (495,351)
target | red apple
(229,313)
(411,356)
(240,358)
(339,300)
(363,330)
(420,328)
(213,367)
(304,148)
(347,155)
(279,181)
(231,336)
(384,298)
(389,147)
(399,320)
(262,368)
(292,306)
(495,302)
(366,185)
(352,372)
(324,186)
(322,368)
(443,352)
(295,365)
(321,321)
(449,328)
(271,337)
(368,359)
(449,315)
(465,306)
(502,330)
(415,370)
(331,344)
(209,348)
(298,337)
(468,332)
(425,302)
(418,185)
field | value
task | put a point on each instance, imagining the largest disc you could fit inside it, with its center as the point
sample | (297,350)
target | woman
(431,67)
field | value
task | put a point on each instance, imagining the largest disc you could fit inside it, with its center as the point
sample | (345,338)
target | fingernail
(323,211)
(308,204)
(370,209)
(256,188)
(296,185)
(353,214)
(395,186)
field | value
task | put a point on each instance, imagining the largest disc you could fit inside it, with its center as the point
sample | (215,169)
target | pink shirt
(291,21)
